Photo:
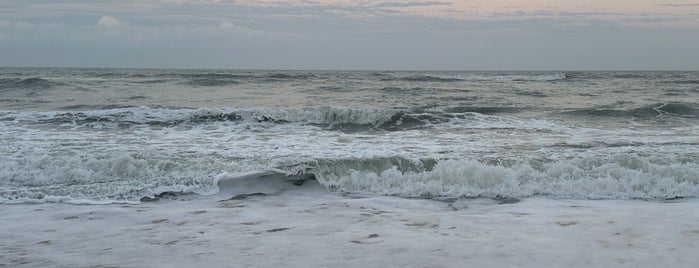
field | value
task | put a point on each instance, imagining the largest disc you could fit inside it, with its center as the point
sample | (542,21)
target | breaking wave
(497,77)
(618,176)
(329,117)
(132,179)
(648,111)
(332,117)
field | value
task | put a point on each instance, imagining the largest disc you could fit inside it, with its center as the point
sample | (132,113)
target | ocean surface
(95,136)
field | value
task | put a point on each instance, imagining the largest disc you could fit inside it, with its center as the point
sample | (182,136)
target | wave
(497,77)
(405,90)
(682,82)
(33,83)
(225,79)
(531,93)
(213,79)
(536,78)
(289,76)
(615,176)
(152,81)
(484,109)
(213,75)
(630,76)
(424,78)
(211,82)
(618,176)
(644,112)
(125,117)
(260,183)
(94,107)
(328,117)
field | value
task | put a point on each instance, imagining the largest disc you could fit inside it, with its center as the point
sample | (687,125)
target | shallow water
(120,135)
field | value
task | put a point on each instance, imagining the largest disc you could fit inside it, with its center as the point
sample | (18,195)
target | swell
(678,109)
(225,79)
(423,78)
(26,84)
(328,117)
(210,82)
(331,117)
(211,79)
(495,77)
(682,82)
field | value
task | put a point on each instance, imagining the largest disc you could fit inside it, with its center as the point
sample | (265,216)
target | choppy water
(104,135)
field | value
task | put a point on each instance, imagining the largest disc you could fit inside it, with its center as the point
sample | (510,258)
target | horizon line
(354,70)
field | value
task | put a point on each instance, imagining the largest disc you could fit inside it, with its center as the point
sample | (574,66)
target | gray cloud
(680,5)
(412,4)
(319,36)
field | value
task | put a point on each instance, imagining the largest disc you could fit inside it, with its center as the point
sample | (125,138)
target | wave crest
(618,176)
(648,111)
(32,83)
(495,77)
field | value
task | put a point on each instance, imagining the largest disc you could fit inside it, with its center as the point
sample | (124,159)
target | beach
(309,228)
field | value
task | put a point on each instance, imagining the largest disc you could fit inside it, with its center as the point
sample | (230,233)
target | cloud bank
(343,34)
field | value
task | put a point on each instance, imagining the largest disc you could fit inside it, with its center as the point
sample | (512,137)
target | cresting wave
(126,117)
(647,111)
(213,79)
(341,118)
(506,77)
(34,83)
(617,176)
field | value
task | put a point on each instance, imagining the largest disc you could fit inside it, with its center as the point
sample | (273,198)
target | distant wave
(539,78)
(212,79)
(210,82)
(682,82)
(95,107)
(213,75)
(338,118)
(630,75)
(126,117)
(423,78)
(224,79)
(648,111)
(33,83)
(531,93)
(484,109)
(497,77)
(288,76)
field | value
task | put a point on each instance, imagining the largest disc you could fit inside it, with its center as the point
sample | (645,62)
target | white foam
(618,176)
(296,230)
(501,77)
(520,157)
(112,118)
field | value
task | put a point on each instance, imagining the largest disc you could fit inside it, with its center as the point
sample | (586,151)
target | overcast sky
(344,34)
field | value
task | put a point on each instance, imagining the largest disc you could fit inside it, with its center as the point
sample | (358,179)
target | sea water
(100,136)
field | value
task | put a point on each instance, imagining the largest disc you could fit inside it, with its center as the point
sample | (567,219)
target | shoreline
(302,228)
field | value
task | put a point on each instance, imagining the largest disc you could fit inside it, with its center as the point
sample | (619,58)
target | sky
(344,34)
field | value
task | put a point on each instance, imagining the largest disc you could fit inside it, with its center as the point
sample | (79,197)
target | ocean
(252,168)
(127,135)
